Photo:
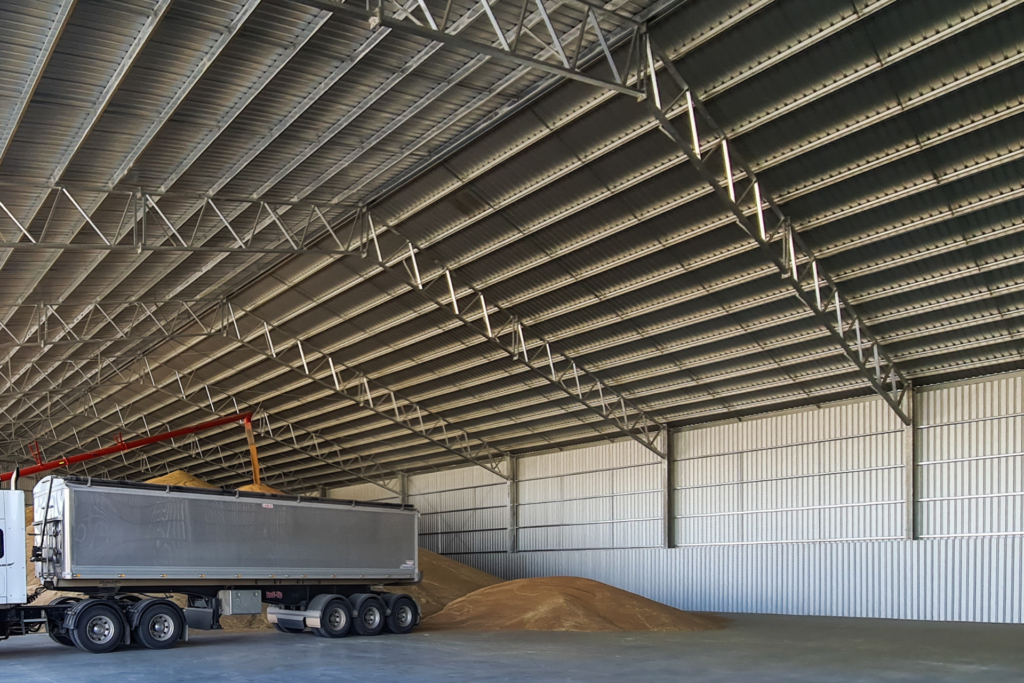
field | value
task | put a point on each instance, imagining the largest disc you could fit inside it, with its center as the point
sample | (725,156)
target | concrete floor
(754,648)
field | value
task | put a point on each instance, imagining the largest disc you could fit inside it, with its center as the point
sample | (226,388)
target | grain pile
(444,580)
(261,488)
(564,603)
(180,478)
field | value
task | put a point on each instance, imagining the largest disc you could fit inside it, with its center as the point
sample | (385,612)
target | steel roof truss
(141,209)
(370,394)
(508,333)
(583,18)
(772,230)
(94,322)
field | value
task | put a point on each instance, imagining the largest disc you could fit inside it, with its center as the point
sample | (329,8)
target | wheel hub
(161,627)
(100,629)
(371,617)
(336,618)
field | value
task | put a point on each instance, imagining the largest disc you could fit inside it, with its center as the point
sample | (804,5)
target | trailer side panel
(123,534)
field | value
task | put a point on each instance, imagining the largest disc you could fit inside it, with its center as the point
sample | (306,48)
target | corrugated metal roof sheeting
(573,211)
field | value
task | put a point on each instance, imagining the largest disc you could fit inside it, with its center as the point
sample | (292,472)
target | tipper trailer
(123,548)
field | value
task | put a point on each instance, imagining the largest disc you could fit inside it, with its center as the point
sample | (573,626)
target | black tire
(285,629)
(369,614)
(58,637)
(99,629)
(54,630)
(336,619)
(404,615)
(159,628)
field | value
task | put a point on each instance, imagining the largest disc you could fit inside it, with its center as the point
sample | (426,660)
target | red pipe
(121,446)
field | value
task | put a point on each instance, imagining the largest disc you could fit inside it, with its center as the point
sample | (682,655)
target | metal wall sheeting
(971,458)
(462,511)
(827,474)
(607,496)
(964,579)
(794,513)
(366,492)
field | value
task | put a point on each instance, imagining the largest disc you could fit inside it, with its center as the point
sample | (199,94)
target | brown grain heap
(180,478)
(444,580)
(564,603)
(261,488)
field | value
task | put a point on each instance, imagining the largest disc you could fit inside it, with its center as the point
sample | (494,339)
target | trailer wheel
(404,615)
(335,619)
(99,629)
(369,614)
(285,629)
(159,627)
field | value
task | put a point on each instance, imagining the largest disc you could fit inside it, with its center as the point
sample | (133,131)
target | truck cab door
(13,580)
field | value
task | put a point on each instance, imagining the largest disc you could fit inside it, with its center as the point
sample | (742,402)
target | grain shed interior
(704,309)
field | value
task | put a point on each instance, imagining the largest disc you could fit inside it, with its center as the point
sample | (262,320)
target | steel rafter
(767,224)
(504,330)
(336,377)
(139,225)
(85,371)
(583,16)
(50,324)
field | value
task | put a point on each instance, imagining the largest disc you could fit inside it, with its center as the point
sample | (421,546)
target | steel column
(910,479)
(668,493)
(512,465)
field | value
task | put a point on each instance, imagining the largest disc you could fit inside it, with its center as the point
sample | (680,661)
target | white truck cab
(13,584)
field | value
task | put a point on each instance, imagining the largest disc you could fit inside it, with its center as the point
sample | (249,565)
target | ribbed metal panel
(976,579)
(822,474)
(607,496)
(447,480)
(462,510)
(364,492)
(971,458)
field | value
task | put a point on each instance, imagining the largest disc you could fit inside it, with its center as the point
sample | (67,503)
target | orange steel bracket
(252,451)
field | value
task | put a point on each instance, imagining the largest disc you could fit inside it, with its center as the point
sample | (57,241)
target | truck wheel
(336,619)
(159,628)
(369,609)
(99,629)
(285,629)
(53,629)
(56,636)
(403,615)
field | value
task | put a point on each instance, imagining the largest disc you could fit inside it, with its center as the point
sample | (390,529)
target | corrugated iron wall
(603,497)
(829,474)
(795,513)
(971,458)
(462,511)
